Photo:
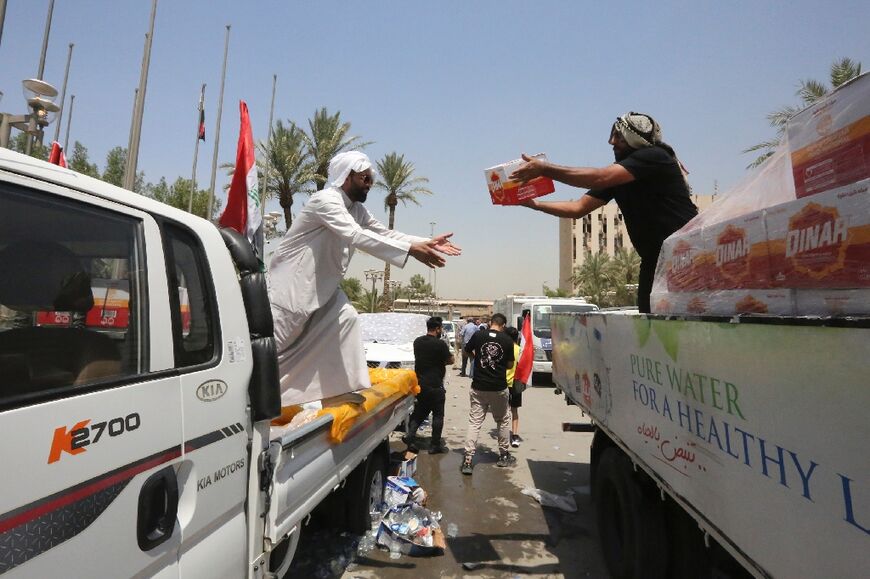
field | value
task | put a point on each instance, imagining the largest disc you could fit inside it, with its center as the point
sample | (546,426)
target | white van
(540,308)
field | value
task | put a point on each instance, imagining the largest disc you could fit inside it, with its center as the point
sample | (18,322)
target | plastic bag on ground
(547,499)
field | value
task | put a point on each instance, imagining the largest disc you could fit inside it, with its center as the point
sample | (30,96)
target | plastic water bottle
(376,519)
(395,552)
(452,530)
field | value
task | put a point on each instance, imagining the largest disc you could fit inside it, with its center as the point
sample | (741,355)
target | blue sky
(455,86)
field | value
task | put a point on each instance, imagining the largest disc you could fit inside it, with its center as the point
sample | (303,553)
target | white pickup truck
(724,447)
(144,449)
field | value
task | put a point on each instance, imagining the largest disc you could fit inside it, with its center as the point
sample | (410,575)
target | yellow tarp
(385,384)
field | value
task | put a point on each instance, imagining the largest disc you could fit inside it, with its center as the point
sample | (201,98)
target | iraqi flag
(243,212)
(527,352)
(200,132)
(56,157)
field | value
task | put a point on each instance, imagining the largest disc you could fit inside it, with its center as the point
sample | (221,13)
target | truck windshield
(541,316)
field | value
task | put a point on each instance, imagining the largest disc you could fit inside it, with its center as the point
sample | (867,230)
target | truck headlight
(540,355)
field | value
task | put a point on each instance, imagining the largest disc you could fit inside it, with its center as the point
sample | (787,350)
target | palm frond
(396,177)
(811,90)
(844,70)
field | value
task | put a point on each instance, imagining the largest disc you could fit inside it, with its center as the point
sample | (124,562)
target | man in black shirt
(493,353)
(647,181)
(431,355)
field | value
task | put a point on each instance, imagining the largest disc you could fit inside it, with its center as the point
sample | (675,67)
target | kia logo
(211,390)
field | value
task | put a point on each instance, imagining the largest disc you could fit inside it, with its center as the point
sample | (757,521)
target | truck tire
(631,523)
(365,491)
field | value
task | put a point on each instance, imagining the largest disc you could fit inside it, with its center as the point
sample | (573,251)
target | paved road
(502,533)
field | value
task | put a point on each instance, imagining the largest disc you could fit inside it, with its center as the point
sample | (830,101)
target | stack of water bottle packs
(793,238)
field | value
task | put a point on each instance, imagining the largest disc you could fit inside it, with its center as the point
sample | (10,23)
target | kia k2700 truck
(139,444)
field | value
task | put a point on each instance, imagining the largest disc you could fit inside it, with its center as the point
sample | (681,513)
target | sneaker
(467,465)
(506,459)
(439,449)
(463,375)
(516,440)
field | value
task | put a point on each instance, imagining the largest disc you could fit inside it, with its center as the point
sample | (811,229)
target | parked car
(448,334)
(388,338)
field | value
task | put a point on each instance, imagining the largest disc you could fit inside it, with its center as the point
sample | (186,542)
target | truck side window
(193,325)
(71,311)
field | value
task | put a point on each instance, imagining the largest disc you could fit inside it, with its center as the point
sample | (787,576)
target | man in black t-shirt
(431,355)
(493,353)
(647,181)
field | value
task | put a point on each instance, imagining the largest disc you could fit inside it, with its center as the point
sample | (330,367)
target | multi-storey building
(602,230)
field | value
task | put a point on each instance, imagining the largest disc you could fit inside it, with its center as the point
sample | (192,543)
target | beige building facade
(602,230)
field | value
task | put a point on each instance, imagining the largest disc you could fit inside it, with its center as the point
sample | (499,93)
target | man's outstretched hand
(442,243)
(427,252)
(529,170)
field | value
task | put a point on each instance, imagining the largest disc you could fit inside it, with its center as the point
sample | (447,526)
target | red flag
(200,131)
(527,353)
(243,212)
(56,157)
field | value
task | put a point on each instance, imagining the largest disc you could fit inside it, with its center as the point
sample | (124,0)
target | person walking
(468,330)
(515,389)
(431,356)
(493,352)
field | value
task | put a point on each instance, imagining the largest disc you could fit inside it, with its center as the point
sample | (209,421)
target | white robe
(320,351)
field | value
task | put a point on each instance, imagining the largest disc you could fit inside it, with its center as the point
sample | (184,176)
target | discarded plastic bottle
(452,530)
(376,519)
(395,552)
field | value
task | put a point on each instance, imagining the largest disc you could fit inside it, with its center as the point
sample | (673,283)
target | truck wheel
(366,492)
(631,526)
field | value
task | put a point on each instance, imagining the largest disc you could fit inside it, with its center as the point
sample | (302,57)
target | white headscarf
(342,164)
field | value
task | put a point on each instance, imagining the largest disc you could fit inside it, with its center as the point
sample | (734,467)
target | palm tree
(369,301)
(396,177)
(625,271)
(352,288)
(809,91)
(594,278)
(328,137)
(286,160)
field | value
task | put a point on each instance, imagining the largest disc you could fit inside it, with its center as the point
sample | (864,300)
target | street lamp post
(394,285)
(38,94)
(374,275)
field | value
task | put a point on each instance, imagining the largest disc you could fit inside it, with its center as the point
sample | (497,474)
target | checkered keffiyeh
(638,129)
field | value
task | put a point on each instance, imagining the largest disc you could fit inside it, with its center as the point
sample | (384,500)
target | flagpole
(63,93)
(132,124)
(72,100)
(196,150)
(31,139)
(217,133)
(133,151)
(268,144)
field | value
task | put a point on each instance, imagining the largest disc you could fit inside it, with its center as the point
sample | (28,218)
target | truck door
(212,357)
(90,407)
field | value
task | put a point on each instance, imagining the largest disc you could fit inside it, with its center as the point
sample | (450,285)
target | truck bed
(312,466)
(758,427)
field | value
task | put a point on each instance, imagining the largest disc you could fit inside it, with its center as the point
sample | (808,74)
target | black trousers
(645,282)
(429,400)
